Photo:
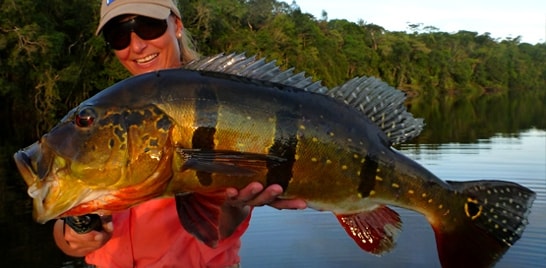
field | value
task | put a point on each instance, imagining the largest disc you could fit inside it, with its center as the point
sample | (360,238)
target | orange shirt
(150,235)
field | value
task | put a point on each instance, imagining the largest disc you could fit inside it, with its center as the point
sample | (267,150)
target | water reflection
(315,239)
(469,118)
(518,155)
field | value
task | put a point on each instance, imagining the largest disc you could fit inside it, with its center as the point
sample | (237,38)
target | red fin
(374,231)
(207,217)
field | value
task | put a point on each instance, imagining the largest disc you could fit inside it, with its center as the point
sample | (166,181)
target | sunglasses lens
(116,37)
(118,34)
(148,28)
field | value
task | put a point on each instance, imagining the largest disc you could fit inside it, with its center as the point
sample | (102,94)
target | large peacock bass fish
(226,121)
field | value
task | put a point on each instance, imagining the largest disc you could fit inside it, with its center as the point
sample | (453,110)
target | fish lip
(24,165)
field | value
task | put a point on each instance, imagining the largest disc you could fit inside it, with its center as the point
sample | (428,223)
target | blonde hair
(187,48)
(188,52)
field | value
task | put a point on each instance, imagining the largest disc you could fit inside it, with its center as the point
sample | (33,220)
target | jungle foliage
(50,59)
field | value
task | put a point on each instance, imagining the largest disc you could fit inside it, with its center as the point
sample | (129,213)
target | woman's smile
(147,59)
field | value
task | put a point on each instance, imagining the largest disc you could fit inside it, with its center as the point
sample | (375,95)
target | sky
(501,19)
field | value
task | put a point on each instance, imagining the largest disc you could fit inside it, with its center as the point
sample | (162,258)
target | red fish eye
(85,118)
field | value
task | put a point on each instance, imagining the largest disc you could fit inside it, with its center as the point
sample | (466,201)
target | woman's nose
(137,44)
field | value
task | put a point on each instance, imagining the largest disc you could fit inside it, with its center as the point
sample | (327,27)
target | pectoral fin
(208,217)
(374,231)
(227,162)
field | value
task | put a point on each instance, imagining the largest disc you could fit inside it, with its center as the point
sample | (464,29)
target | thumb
(107,224)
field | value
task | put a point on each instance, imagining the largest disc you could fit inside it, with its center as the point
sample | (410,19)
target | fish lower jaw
(46,209)
(42,214)
(39,194)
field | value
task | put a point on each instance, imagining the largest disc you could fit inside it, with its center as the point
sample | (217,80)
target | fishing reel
(85,223)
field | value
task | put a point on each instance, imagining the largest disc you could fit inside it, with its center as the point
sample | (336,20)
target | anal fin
(374,231)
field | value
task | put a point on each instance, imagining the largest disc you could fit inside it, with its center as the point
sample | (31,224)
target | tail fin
(492,219)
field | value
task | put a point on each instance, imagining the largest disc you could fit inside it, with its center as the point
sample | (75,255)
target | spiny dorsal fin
(239,64)
(383,104)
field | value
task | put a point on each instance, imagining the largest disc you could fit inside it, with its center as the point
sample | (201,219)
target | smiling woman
(143,44)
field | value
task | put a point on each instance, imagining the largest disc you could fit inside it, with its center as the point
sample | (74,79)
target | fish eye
(85,117)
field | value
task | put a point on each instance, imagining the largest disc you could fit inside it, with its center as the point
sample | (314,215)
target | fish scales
(325,146)
(192,133)
(312,126)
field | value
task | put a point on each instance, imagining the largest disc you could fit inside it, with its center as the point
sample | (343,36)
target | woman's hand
(255,195)
(79,245)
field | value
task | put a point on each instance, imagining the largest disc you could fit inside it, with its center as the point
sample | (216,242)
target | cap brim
(152,11)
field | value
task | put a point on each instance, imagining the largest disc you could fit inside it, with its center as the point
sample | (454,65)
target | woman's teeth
(147,58)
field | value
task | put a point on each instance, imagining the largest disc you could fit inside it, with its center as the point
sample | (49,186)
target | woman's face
(142,56)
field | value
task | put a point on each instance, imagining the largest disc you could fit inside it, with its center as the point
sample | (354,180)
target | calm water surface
(315,239)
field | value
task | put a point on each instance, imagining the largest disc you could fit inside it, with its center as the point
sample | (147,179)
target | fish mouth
(35,165)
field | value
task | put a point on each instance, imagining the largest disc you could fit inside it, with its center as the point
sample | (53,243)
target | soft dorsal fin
(383,104)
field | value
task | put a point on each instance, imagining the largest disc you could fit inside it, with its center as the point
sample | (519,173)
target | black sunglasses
(118,33)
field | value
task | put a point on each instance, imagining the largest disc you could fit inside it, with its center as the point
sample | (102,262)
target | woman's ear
(179,27)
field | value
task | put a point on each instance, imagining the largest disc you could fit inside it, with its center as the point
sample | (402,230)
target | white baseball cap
(157,9)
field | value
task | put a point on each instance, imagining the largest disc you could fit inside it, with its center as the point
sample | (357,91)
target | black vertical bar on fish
(368,172)
(206,113)
(283,146)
